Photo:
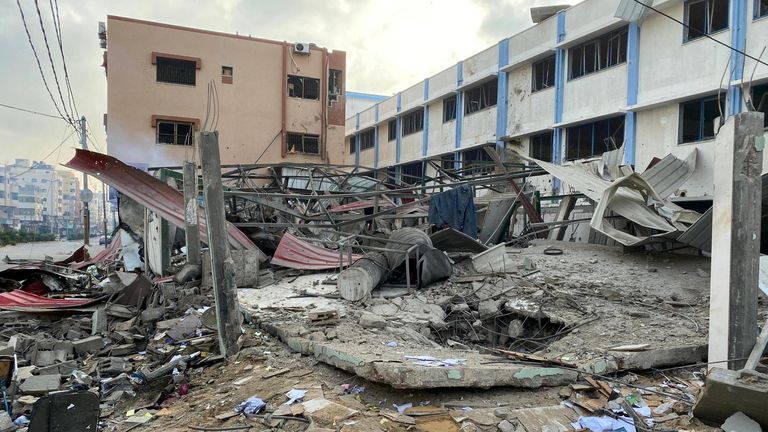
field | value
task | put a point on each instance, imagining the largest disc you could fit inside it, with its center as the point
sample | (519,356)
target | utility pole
(228,318)
(190,213)
(85,194)
(735,262)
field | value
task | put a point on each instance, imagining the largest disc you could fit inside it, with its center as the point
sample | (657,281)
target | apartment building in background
(38,197)
(271,101)
(576,84)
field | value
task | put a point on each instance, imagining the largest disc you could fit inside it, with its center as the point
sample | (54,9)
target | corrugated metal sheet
(699,235)
(18,300)
(670,173)
(292,252)
(631,10)
(149,192)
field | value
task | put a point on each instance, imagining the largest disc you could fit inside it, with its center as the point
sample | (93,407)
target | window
(15,196)
(759,101)
(392,130)
(595,138)
(334,85)
(303,143)
(352,144)
(599,53)
(477,162)
(704,17)
(412,173)
(480,97)
(303,87)
(541,146)
(760,8)
(176,71)
(697,119)
(449,109)
(367,139)
(2,194)
(413,122)
(543,74)
(227,74)
(447,162)
(177,133)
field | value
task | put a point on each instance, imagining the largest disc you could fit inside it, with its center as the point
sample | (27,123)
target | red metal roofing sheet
(150,192)
(19,300)
(292,252)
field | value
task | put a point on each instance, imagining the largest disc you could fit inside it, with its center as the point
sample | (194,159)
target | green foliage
(14,237)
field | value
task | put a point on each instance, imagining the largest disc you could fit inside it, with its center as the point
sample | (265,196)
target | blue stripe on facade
(558,133)
(366,96)
(739,41)
(633,74)
(425,132)
(357,139)
(398,130)
(376,136)
(459,110)
(501,95)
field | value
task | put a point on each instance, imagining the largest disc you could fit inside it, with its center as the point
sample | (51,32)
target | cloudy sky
(390,45)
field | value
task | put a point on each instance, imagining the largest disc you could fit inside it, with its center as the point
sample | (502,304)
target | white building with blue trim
(579,83)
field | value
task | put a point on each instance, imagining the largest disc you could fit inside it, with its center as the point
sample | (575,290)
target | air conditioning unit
(301,48)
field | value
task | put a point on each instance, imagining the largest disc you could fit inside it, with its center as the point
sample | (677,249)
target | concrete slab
(727,392)
(40,384)
(88,345)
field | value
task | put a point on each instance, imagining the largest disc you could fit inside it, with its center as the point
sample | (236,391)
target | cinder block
(88,345)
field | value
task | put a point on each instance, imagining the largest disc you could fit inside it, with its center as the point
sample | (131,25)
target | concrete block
(65,346)
(65,368)
(369,320)
(99,321)
(727,392)
(47,358)
(246,269)
(187,273)
(152,314)
(40,384)
(88,345)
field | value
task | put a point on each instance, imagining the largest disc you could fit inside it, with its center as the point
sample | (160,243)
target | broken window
(367,139)
(591,139)
(392,130)
(176,133)
(176,71)
(704,17)
(602,52)
(412,173)
(760,9)
(413,122)
(352,142)
(227,74)
(334,85)
(477,162)
(447,162)
(543,74)
(449,109)
(303,143)
(697,119)
(303,87)
(480,97)
(541,146)
(760,100)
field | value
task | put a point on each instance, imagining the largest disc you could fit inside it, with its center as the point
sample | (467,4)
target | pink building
(277,101)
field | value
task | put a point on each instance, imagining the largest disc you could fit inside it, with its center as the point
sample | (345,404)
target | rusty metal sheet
(150,192)
(18,300)
(108,254)
(292,252)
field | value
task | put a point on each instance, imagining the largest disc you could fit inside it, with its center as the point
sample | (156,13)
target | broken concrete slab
(739,422)
(493,260)
(323,412)
(88,345)
(727,392)
(389,366)
(40,384)
(370,320)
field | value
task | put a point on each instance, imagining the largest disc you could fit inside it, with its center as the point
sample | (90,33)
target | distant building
(273,101)
(36,196)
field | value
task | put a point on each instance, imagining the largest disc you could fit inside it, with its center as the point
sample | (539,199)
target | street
(38,250)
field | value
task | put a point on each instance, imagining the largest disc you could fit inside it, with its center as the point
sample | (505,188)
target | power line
(39,66)
(701,33)
(57,27)
(32,112)
(50,59)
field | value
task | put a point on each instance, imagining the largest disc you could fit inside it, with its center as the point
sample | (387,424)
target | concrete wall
(250,108)
(588,97)
(529,112)
(442,136)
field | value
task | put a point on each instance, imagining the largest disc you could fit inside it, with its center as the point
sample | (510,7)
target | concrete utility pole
(85,194)
(735,260)
(190,213)
(228,318)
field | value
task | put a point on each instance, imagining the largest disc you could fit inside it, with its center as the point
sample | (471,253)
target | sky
(390,45)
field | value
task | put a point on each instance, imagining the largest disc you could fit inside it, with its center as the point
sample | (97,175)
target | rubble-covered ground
(562,334)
